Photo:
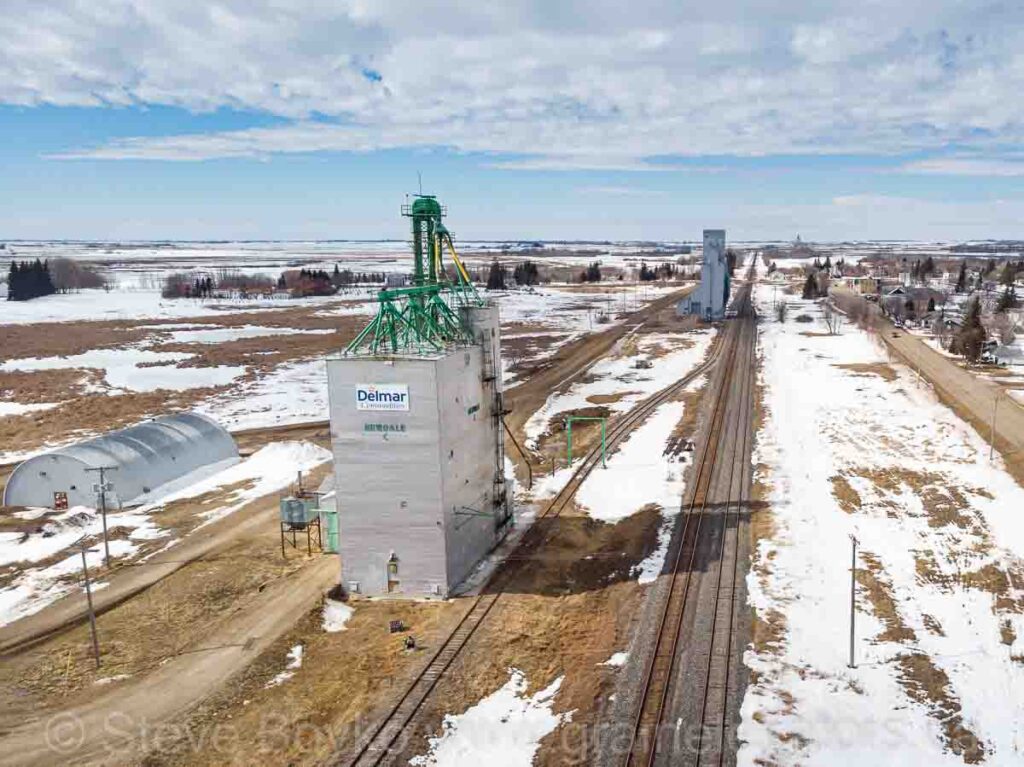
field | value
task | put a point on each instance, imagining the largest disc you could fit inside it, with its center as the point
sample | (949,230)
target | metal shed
(146,456)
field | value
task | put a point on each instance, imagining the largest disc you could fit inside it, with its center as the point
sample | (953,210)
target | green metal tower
(424,317)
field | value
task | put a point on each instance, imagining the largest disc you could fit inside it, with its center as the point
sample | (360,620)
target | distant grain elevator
(709,298)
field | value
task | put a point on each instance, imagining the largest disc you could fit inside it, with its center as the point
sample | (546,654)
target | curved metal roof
(146,455)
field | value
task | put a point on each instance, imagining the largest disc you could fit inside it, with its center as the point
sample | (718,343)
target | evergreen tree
(1007,300)
(931,304)
(526,273)
(1009,274)
(827,266)
(961,280)
(496,276)
(971,337)
(810,286)
(29,280)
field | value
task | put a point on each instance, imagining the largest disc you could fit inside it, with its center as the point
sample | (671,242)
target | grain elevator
(416,430)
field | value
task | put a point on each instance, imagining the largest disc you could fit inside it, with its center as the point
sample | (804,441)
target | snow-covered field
(867,450)
(617,377)
(292,393)
(38,580)
(135,369)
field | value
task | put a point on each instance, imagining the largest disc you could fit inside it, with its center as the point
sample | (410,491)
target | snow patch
(335,615)
(135,369)
(16,408)
(504,729)
(292,664)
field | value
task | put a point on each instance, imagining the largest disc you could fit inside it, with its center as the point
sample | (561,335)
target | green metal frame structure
(425,317)
(568,444)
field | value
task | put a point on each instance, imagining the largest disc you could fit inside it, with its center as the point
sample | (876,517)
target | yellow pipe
(457,260)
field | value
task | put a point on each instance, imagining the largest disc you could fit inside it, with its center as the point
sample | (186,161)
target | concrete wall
(425,493)
(388,483)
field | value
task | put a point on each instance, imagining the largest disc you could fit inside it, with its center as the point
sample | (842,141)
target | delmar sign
(382,396)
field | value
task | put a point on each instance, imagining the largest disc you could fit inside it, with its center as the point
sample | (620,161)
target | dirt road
(973,398)
(127,581)
(113,727)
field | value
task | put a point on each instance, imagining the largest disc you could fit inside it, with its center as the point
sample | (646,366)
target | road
(109,727)
(128,580)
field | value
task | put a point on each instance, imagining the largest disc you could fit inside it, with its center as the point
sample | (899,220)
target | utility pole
(88,599)
(102,470)
(853,596)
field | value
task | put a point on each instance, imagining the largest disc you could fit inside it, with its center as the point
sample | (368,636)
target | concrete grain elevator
(416,409)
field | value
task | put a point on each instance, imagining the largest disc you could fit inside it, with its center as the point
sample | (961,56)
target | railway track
(712,743)
(655,723)
(389,736)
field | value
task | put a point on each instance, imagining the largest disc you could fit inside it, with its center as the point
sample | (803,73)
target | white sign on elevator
(382,396)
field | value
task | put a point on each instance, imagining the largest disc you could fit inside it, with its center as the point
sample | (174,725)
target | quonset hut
(416,409)
(146,456)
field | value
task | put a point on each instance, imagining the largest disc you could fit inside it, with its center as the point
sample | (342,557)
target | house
(862,285)
(922,300)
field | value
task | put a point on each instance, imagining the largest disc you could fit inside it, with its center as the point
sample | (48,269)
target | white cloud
(963,166)
(568,85)
(620,191)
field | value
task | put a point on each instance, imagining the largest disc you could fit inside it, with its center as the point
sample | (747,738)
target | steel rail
(733,508)
(650,713)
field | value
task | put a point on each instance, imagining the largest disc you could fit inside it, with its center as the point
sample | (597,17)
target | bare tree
(833,319)
(942,332)
(69,275)
(781,310)
(1001,326)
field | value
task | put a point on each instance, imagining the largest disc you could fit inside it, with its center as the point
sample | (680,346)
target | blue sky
(250,120)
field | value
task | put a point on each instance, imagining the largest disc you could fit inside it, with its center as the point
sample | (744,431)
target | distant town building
(708,299)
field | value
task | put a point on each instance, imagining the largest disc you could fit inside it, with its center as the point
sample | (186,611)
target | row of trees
(665,271)
(27,280)
(307,282)
(592,273)
(32,279)
(343,278)
(524,273)
(301,282)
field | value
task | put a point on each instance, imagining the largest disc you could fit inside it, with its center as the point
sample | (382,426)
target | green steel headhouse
(425,316)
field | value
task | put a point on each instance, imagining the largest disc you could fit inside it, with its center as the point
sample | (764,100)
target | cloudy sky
(294,119)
